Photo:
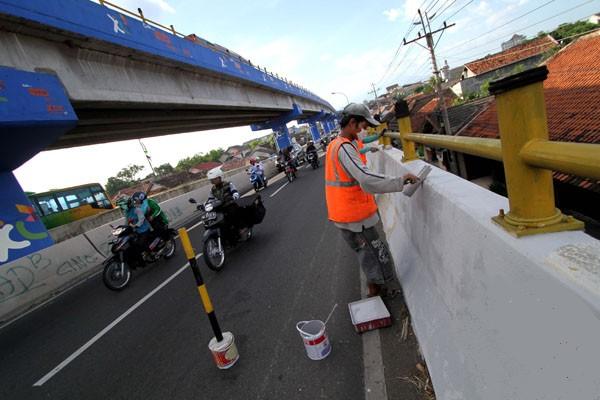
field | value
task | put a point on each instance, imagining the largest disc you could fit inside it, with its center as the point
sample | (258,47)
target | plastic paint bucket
(225,352)
(315,339)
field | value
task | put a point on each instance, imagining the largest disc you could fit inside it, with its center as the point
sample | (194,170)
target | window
(48,205)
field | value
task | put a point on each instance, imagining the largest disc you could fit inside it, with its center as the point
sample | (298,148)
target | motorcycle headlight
(208,207)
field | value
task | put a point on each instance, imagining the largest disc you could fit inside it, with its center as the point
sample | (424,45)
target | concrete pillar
(314,131)
(21,231)
(282,137)
(326,127)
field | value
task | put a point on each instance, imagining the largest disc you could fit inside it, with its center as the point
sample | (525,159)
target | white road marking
(104,331)
(278,190)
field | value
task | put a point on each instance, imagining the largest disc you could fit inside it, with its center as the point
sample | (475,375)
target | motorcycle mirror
(193,201)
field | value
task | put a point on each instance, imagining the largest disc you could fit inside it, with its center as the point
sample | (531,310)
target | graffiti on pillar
(21,233)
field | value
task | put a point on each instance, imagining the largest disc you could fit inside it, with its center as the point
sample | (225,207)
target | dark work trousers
(373,256)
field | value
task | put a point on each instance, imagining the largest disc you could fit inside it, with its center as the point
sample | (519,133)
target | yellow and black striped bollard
(222,346)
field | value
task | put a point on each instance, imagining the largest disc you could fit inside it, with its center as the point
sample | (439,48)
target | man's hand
(410,178)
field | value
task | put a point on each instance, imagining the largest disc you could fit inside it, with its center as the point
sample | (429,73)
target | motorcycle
(290,170)
(218,235)
(313,159)
(126,255)
(258,181)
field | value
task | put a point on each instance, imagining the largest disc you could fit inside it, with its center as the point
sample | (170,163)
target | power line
(506,23)
(460,9)
(443,11)
(518,30)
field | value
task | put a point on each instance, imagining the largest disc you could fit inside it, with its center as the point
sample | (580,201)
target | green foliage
(125,177)
(419,89)
(186,163)
(129,173)
(164,169)
(427,88)
(517,69)
(484,89)
(570,29)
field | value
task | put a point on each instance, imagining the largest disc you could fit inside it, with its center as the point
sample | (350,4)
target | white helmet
(215,173)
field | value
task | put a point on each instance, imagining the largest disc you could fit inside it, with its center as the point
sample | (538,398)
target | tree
(129,173)
(164,169)
(125,178)
(570,29)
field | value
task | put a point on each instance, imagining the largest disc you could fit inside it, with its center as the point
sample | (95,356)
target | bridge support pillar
(282,137)
(326,127)
(35,112)
(314,132)
(21,230)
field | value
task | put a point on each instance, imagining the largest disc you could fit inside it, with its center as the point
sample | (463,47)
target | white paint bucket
(225,352)
(315,339)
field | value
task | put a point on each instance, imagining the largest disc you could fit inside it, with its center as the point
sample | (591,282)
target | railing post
(405,127)
(385,141)
(521,119)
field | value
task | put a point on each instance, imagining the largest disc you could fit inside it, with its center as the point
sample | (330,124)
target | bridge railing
(201,42)
(529,157)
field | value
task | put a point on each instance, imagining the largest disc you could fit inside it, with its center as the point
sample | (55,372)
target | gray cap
(360,110)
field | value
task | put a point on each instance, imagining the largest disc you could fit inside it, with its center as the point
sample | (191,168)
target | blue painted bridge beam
(312,123)
(279,127)
(34,112)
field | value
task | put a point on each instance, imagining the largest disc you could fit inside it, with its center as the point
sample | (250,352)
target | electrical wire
(518,30)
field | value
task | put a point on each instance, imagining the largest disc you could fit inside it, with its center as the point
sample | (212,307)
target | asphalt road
(295,268)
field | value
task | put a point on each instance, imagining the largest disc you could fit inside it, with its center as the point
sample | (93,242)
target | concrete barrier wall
(39,276)
(496,317)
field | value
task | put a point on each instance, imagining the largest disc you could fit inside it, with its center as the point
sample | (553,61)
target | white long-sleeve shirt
(368,180)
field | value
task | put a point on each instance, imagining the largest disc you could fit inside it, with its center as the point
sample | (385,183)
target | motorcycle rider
(153,213)
(310,148)
(135,218)
(227,193)
(258,169)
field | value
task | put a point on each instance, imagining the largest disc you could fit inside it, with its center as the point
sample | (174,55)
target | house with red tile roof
(572,96)
(495,66)
(203,167)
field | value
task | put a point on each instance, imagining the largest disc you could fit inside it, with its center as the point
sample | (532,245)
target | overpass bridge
(76,73)
(503,293)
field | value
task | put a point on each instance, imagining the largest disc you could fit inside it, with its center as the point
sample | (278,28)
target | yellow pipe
(521,118)
(187,244)
(383,140)
(408,147)
(487,148)
(581,159)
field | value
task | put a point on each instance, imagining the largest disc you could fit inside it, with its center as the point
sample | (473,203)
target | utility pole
(147,156)
(374,92)
(438,81)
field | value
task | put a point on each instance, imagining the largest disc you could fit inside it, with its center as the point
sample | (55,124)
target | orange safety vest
(346,201)
(359,146)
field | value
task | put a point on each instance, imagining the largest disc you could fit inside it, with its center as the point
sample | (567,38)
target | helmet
(138,197)
(215,173)
(253,161)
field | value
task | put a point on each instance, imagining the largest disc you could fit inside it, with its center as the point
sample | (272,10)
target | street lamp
(347,101)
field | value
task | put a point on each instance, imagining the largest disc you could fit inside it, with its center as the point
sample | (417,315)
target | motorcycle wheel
(112,277)
(213,258)
(290,176)
(171,247)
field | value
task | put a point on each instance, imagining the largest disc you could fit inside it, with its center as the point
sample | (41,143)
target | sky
(327,46)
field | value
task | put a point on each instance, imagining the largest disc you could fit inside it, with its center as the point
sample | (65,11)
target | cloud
(392,14)
(151,8)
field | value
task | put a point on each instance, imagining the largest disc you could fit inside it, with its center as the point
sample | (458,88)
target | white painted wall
(496,317)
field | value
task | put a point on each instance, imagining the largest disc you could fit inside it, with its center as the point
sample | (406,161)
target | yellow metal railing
(528,156)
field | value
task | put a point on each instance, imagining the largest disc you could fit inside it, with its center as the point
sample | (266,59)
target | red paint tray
(369,314)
